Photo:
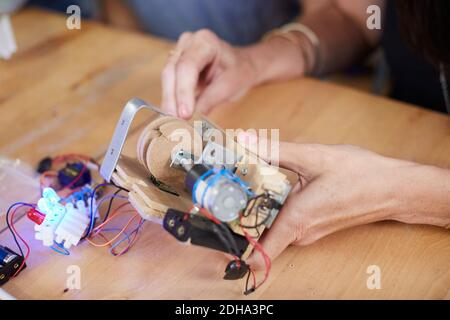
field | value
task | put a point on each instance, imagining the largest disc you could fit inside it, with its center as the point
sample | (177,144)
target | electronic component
(10,262)
(219,191)
(236,270)
(74,175)
(64,224)
(36,216)
(44,165)
(180,165)
(203,232)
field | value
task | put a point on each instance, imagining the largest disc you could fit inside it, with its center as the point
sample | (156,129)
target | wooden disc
(150,132)
(144,141)
(175,136)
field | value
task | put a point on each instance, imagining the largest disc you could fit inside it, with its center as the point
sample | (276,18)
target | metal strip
(120,134)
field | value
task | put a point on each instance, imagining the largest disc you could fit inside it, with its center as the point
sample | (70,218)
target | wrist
(277,59)
(423,195)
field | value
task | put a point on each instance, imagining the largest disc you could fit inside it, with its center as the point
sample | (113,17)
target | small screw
(2,276)
(16,266)
(171,223)
(244,171)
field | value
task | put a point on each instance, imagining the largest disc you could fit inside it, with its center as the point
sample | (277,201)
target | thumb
(283,232)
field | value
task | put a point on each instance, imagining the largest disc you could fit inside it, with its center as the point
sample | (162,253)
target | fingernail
(184,111)
(246,137)
(243,137)
(252,138)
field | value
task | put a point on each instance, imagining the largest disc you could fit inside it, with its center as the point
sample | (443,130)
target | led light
(36,216)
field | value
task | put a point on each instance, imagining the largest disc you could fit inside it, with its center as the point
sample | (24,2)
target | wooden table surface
(63,92)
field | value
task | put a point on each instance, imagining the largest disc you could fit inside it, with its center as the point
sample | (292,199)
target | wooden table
(63,92)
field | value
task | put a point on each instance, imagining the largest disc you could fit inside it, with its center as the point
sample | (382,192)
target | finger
(168,76)
(282,233)
(306,159)
(217,92)
(201,53)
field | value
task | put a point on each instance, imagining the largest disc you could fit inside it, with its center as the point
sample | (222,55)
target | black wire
(230,239)
(110,204)
(247,289)
(250,209)
(13,234)
(9,226)
(256,223)
(88,231)
(259,224)
(119,187)
(248,279)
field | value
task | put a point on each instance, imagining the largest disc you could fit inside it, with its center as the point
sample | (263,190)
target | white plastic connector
(73,225)
(54,213)
(62,224)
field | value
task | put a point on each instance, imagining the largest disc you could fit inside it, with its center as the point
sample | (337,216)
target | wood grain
(64,91)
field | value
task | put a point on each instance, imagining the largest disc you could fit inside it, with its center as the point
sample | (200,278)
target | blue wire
(64,250)
(91,209)
(107,198)
(136,230)
(126,237)
(9,226)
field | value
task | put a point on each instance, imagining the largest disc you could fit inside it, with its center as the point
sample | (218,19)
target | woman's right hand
(204,71)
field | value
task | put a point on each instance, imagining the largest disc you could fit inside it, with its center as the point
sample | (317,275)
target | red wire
(64,157)
(20,237)
(209,216)
(132,242)
(259,248)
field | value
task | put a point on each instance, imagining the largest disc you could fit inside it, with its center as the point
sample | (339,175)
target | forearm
(343,40)
(424,196)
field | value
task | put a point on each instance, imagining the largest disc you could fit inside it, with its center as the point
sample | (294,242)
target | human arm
(345,186)
(205,71)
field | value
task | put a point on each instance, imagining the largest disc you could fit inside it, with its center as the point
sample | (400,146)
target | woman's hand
(202,72)
(346,186)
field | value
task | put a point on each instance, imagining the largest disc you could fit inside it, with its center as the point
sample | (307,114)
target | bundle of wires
(121,233)
(119,244)
(253,242)
(61,159)
(10,214)
(93,231)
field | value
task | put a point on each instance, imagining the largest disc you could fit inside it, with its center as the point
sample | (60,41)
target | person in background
(342,186)
(333,36)
(236,21)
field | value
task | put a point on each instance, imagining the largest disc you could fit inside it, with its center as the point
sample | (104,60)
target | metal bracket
(120,134)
